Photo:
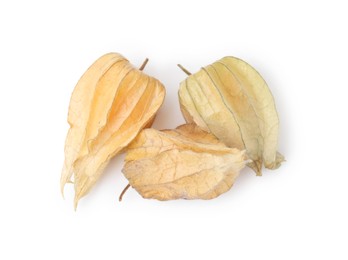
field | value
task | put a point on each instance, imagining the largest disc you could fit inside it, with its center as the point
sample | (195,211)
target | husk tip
(76,202)
(62,186)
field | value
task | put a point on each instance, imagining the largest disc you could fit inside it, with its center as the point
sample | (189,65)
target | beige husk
(184,163)
(230,99)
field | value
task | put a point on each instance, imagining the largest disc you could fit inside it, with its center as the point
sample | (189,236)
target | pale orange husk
(185,163)
(110,105)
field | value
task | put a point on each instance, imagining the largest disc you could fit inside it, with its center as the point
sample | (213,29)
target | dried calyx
(184,163)
(110,105)
(230,99)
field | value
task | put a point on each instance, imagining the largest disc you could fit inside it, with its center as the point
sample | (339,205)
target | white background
(297,212)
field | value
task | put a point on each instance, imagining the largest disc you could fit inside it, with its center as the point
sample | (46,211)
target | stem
(144,64)
(184,70)
(123,192)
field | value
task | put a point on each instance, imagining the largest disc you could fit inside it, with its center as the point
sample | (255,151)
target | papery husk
(230,99)
(110,105)
(184,163)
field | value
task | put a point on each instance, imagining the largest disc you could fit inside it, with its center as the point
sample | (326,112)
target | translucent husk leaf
(80,109)
(230,99)
(185,163)
(111,103)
